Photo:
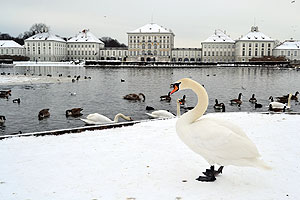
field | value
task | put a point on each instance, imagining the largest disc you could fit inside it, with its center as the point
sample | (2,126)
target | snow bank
(148,161)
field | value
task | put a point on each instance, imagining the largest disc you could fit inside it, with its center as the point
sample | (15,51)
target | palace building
(84,46)
(218,48)
(150,42)
(253,44)
(46,47)
(290,49)
(10,47)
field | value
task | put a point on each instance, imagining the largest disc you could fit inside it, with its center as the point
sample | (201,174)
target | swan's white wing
(220,141)
(151,115)
(277,105)
(163,114)
(98,118)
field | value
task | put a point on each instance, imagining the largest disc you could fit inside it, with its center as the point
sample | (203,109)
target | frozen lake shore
(148,161)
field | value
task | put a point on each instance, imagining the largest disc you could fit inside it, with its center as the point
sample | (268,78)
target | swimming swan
(164,114)
(219,142)
(160,114)
(97,118)
(275,106)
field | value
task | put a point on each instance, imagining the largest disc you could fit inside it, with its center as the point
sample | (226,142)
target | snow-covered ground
(148,161)
(22,79)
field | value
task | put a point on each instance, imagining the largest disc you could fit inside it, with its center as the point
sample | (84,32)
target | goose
(294,97)
(2,119)
(74,112)
(182,101)
(44,113)
(97,118)
(165,97)
(217,141)
(219,106)
(237,101)
(136,97)
(252,99)
(280,106)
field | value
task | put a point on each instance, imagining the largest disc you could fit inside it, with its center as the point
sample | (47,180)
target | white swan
(219,142)
(160,114)
(280,106)
(164,114)
(97,118)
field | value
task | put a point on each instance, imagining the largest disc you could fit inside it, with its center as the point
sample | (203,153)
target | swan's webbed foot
(211,171)
(206,178)
(210,174)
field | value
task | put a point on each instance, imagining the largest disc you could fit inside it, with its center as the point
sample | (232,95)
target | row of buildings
(152,42)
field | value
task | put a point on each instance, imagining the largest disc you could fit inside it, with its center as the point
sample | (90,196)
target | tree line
(41,28)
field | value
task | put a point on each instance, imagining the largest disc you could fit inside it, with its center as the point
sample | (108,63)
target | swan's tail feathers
(262,165)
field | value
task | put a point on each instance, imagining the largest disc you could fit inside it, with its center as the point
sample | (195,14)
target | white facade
(150,42)
(84,46)
(253,44)
(218,48)
(186,55)
(10,47)
(114,53)
(46,47)
(290,49)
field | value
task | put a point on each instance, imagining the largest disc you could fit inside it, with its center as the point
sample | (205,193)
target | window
(295,53)
(282,53)
(143,46)
(255,52)
(204,53)
(289,53)
(208,54)
(249,52)
(244,45)
(149,46)
(269,44)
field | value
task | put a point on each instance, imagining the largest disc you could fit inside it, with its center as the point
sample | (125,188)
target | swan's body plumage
(97,118)
(160,114)
(217,141)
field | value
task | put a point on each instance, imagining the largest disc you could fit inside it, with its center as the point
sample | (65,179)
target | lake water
(104,92)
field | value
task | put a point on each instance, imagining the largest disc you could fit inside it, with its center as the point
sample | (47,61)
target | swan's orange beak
(176,88)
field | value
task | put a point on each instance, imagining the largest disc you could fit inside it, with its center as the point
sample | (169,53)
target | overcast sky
(192,21)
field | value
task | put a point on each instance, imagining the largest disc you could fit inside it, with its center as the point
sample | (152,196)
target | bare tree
(34,29)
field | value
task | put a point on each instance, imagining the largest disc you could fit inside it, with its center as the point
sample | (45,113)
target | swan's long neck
(116,119)
(201,106)
(289,101)
(178,108)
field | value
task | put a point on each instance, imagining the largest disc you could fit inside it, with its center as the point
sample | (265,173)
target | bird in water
(218,141)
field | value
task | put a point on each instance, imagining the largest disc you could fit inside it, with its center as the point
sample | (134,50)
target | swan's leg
(209,175)
(208,172)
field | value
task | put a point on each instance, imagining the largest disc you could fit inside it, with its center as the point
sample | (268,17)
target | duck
(161,114)
(96,118)
(257,105)
(165,97)
(2,119)
(74,112)
(136,97)
(278,105)
(237,101)
(16,100)
(217,141)
(252,99)
(44,113)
